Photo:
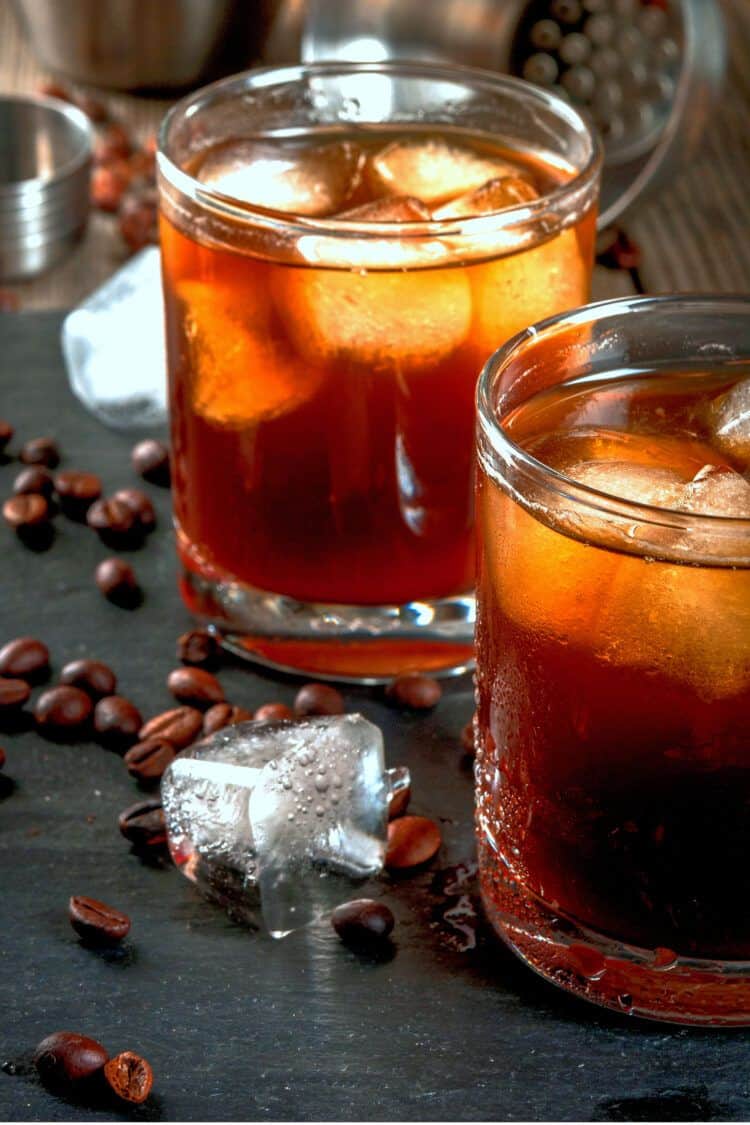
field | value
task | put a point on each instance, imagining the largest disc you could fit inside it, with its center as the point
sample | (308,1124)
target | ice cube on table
(432,170)
(281,816)
(730,423)
(503,191)
(312,181)
(114,347)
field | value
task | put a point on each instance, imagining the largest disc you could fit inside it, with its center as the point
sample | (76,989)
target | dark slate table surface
(236,1025)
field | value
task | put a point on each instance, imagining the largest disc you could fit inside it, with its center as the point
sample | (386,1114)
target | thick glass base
(657,984)
(357,644)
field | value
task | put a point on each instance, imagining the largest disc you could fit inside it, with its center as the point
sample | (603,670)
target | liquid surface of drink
(323,389)
(614,682)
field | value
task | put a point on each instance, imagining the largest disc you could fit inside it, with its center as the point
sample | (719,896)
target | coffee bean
(129,1076)
(115,523)
(147,760)
(143,824)
(34,479)
(399,803)
(362,921)
(13,694)
(414,691)
(62,710)
(66,1057)
(268,711)
(77,491)
(140,505)
(2,757)
(138,218)
(318,699)
(117,581)
(198,647)
(24,658)
(195,686)
(27,511)
(412,841)
(151,461)
(467,738)
(6,433)
(95,922)
(180,726)
(91,676)
(40,451)
(117,722)
(111,143)
(224,715)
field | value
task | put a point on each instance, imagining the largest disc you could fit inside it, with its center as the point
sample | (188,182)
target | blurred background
(667,82)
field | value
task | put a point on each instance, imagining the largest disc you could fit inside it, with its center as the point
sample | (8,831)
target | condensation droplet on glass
(319,810)
(546,35)
(321,783)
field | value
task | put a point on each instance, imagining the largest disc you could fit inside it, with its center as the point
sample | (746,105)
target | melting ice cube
(308,181)
(730,417)
(277,814)
(651,485)
(432,170)
(717,491)
(503,191)
(390,209)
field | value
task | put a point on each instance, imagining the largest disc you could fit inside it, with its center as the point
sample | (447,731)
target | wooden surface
(235,1025)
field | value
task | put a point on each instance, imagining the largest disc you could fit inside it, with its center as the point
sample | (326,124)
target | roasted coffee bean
(138,218)
(195,686)
(147,760)
(62,710)
(108,186)
(318,699)
(115,523)
(27,511)
(412,690)
(362,921)
(139,504)
(129,1076)
(77,491)
(2,757)
(399,803)
(224,715)
(40,451)
(117,722)
(117,581)
(91,676)
(198,647)
(66,1057)
(13,694)
(113,143)
(95,110)
(6,433)
(97,923)
(24,658)
(143,824)
(467,738)
(180,726)
(412,841)
(151,461)
(34,479)
(273,711)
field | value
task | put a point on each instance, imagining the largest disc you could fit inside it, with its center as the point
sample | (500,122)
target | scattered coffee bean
(115,523)
(95,922)
(138,219)
(129,1076)
(273,711)
(412,690)
(224,715)
(467,738)
(24,658)
(198,647)
(40,451)
(108,186)
(140,505)
(66,1057)
(151,461)
(180,726)
(6,433)
(147,760)
(77,491)
(2,757)
(117,722)
(143,824)
(117,581)
(112,143)
(195,686)
(412,841)
(13,694)
(91,676)
(27,511)
(34,479)
(362,921)
(399,803)
(62,710)
(318,699)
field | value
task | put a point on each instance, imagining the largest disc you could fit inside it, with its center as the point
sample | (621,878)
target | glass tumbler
(343,246)
(613,654)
